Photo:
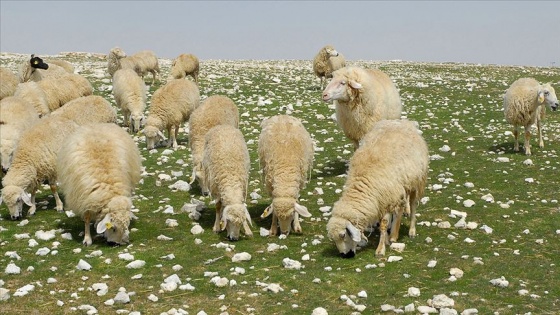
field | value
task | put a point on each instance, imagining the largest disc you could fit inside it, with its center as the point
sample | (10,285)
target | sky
(483,32)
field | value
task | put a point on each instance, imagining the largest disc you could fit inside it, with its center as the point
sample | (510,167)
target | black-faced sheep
(130,95)
(36,69)
(99,167)
(525,102)
(142,62)
(172,105)
(213,111)
(321,65)
(8,82)
(387,176)
(184,65)
(226,173)
(362,97)
(286,157)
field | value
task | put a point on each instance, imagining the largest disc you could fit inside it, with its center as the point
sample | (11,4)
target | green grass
(458,105)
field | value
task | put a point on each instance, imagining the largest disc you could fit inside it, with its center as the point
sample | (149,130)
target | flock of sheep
(53,128)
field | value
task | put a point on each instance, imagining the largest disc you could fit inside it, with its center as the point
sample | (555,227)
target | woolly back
(31,93)
(98,162)
(61,90)
(176,97)
(126,83)
(88,109)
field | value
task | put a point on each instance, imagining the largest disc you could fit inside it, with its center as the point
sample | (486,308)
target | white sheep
(130,95)
(35,69)
(387,176)
(286,157)
(34,162)
(214,110)
(362,97)
(335,63)
(183,65)
(31,93)
(321,66)
(226,172)
(8,82)
(16,116)
(142,62)
(99,167)
(88,109)
(66,65)
(172,105)
(523,106)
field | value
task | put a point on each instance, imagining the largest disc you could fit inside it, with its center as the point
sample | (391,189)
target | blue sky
(487,32)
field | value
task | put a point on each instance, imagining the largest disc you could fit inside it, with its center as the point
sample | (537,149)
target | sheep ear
(248,216)
(104,224)
(223,221)
(26,198)
(355,85)
(268,211)
(540,96)
(353,232)
(161,135)
(302,210)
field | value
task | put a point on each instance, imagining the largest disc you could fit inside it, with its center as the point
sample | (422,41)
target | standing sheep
(172,105)
(8,83)
(184,65)
(213,111)
(142,62)
(99,167)
(321,66)
(226,172)
(16,116)
(386,174)
(362,97)
(523,106)
(88,109)
(34,162)
(130,95)
(286,157)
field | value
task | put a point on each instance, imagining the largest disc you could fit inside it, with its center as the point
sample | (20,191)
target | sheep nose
(350,254)
(16,217)
(232,239)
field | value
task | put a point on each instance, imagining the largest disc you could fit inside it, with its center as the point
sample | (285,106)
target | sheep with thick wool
(361,98)
(226,167)
(386,177)
(525,103)
(184,65)
(286,158)
(99,167)
(130,95)
(16,116)
(34,162)
(88,109)
(141,62)
(213,111)
(35,69)
(8,82)
(321,65)
(172,105)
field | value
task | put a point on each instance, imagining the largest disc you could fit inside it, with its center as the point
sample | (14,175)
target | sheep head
(345,236)
(547,95)
(136,121)
(330,51)
(14,197)
(233,218)
(286,210)
(114,225)
(38,63)
(153,136)
(344,86)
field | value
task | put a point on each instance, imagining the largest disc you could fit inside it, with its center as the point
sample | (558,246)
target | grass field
(514,229)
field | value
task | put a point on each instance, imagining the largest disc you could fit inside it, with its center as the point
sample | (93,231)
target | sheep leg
(247,229)
(297,226)
(383,235)
(527,140)
(126,118)
(274,225)
(59,205)
(175,145)
(216,228)
(516,137)
(541,142)
(87,235)
(33,207)
(397,217)
(412,230)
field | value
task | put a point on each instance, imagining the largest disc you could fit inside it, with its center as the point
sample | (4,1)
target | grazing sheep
(36,70)
(88,109)
(142,62)
(362,97)
(172,105)
(130,95)
(184,65)
(99,167)
(321,66)
(523,106)
(16,116)
(286,157)
(226,172)
(213,111)
(34,162)
(387,176)
(8,83)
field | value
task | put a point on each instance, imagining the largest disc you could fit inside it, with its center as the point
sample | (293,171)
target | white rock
(461,224)
(121,297)
(100,288)
(398,247)
(305,257)
(387,308)
(444,225)
(241,257)
(413,292)
(500,282)
(394,258)
(442,300)
(423,309)
(362,294)
(42,251)
(458,273)
(460,214)
(409,308)
(126,257)
(136,264)
(168,286)
(529,180)
(319,311)
(487,229)
(153,298)
(468,203)
(447,311)
(164,238)
(83,265)
(503,159)
(468,240)
(164,177)
(180,185)
(264,232)
(488,198)
(187,287)
(45,235)
(197,229)
(523,292)
(291,264)
(274,288)
(472,225)
(4,294)
(445,148)
(432,263)
(318,191)
(528,162)
(469,185)
(470,311)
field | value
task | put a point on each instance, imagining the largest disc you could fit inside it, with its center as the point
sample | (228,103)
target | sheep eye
(546,93)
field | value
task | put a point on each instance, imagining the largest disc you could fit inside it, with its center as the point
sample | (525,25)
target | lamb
(99,167)
(130,95)
(286,156)
(183,65)
(213,111)
(88,109)
(226,171)
(36,69)
(142,62)
(35,161)
(362,97)
(8,83)
(321,66)
(387,176)
(172,105)
(523,106)
(16,116)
